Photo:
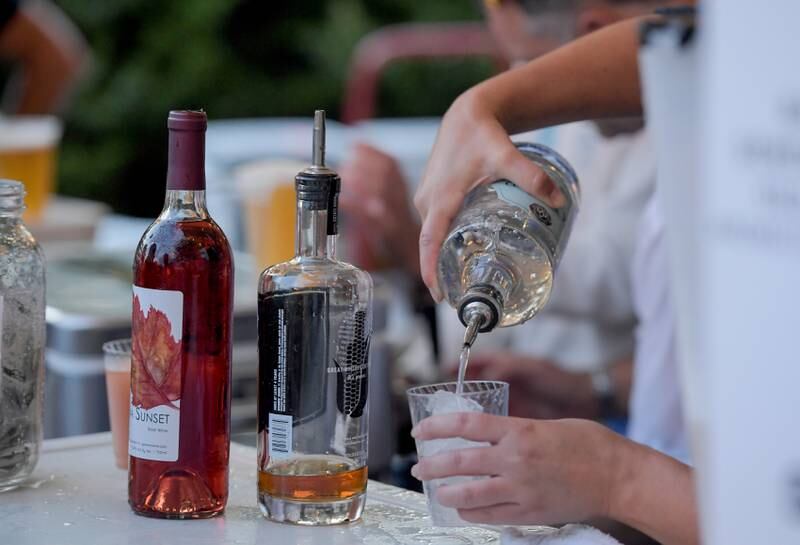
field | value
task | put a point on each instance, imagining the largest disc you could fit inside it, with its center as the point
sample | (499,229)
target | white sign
(751,250)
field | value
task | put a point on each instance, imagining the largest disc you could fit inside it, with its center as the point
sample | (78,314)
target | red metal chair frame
(379,49)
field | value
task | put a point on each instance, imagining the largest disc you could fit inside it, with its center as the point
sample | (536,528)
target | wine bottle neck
(312,231)
(185,205)
(186,163)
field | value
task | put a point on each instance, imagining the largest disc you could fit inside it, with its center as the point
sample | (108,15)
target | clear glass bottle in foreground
(179,428)
(314,327)
(496,266)
(22,323)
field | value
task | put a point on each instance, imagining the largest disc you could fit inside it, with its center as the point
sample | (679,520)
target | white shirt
(656,419)
(589,321)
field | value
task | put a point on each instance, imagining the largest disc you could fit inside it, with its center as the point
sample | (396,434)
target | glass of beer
(266,188)
(117,360)
(28,147)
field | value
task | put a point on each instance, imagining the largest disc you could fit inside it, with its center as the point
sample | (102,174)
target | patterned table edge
(379,492)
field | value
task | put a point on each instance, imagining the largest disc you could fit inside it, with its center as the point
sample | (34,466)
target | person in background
(48,55)
(575,357)
(561,470)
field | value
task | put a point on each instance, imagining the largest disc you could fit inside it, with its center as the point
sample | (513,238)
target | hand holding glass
(489,397)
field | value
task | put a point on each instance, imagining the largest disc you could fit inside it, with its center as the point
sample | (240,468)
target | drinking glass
(28,150)
(117,360)
(490,397)
(266,188)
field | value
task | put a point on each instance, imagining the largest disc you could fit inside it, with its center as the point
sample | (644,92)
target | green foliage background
(235,58)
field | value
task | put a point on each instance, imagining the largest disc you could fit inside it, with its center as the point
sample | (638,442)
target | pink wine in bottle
(181,356)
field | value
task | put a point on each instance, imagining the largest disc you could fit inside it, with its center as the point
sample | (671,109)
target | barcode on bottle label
(280,435)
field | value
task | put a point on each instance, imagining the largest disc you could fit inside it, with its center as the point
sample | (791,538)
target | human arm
(593,77)
(557,471)
(50,55)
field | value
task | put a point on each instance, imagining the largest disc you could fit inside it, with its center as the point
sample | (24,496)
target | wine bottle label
(156,364)
(292,351)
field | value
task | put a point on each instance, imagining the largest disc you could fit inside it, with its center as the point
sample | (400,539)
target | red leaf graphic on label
(155,359)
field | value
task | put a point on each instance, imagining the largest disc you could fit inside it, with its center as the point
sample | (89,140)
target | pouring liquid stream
(470,335)
(463,360)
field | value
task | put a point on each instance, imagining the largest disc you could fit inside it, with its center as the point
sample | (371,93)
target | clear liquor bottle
(497,264)
(179,436)
(315,322)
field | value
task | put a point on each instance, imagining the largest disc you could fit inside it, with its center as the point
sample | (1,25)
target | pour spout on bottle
(475,315)
(479,312)
(318,139)
(471,333)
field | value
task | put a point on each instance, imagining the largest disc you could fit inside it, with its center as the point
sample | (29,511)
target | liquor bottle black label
(293,331)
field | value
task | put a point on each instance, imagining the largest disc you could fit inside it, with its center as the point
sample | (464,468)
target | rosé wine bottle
(181,356)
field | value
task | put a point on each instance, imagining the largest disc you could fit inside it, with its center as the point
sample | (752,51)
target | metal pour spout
(472,330)
(479,312)
(318,149)
(475,315)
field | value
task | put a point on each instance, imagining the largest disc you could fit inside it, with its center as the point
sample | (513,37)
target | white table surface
(77,496)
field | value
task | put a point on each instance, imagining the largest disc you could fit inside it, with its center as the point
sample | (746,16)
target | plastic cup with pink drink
(117,360)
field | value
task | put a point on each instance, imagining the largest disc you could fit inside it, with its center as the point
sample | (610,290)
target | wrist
(626,473)
(504,98)
(654,494)
(477,104)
